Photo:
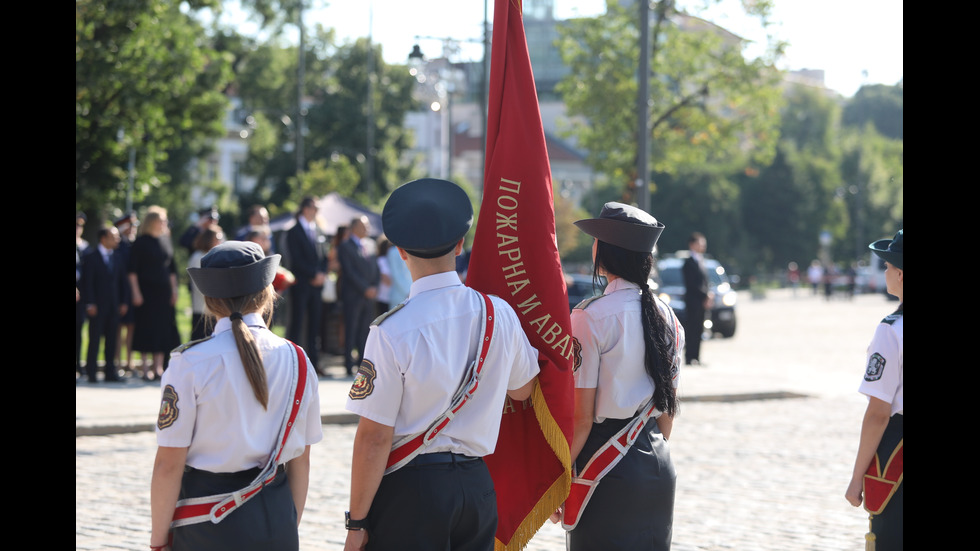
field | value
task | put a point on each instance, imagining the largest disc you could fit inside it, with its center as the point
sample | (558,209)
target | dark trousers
(264,523)
(104,326)
(359,312)
(79,322)
(693,328)
(448,505)
(305,310)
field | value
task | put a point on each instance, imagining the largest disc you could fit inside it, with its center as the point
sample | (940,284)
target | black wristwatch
(354,524)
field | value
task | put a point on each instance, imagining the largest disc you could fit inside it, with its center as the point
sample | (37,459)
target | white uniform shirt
(884,375)
(610,334)
(415,360)
(216,413)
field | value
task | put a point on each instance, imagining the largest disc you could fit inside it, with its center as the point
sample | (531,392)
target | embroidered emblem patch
(576,354)
(876,366)
(168,408)
(364,381)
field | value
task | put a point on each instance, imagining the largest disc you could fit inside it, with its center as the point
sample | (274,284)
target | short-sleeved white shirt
(415,360)
(212,410)
(884,371)
(609,333)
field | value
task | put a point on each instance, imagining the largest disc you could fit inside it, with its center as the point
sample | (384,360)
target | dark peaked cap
(624,226)
(427,217)
(891,250)
(234,269)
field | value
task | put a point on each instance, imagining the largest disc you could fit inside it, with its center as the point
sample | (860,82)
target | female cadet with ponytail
(627,357)
(239,412)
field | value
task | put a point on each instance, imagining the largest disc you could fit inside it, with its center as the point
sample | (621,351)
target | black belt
(254,472)
(440,458)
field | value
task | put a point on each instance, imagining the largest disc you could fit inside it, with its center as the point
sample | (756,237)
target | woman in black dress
(153,276)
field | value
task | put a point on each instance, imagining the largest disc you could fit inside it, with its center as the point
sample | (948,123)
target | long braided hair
(658,335)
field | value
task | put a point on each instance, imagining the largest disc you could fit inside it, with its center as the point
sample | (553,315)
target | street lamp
(444,78)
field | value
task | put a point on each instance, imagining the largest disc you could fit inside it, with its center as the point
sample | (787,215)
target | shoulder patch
(876,366)
(364,381)
(382,317)
(187,345)
(585,303)
(168,408)
(576,354)
(891,319)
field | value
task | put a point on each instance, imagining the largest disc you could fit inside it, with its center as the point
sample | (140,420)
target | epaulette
(187,345)
(894,316)
(382,317)
(585,303)
(891,318)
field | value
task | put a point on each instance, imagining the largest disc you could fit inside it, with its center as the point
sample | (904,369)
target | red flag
(515,256)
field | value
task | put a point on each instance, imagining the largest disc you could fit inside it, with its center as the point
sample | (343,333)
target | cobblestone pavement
(763,445)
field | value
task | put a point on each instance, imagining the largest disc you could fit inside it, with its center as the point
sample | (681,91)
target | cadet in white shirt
(223,416)
(627,358)
(883,427)
(439,496)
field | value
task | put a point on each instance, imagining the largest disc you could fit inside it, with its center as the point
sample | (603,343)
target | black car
(580,288)
(671,281)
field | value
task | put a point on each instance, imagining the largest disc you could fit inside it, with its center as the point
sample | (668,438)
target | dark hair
(308,201)
(383,245)
(102,233)
(207,239)
(658,336)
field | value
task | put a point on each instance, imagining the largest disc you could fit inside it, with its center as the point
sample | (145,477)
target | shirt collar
(619,284)
(252,320)
(435,281)
(307,224)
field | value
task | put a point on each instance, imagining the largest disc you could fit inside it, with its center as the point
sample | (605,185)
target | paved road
(763,445)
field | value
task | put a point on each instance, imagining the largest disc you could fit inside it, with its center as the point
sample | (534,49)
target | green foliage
(335,121)
(708,104)
(879,105)
(145,81)
(326,176)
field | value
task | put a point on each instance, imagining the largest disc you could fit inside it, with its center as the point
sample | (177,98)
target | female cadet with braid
(627,357)
(223,418)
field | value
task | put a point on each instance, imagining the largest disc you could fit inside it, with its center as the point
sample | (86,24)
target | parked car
(580,288)
(671,281)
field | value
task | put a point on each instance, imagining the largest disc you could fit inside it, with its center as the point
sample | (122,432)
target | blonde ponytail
(234,308)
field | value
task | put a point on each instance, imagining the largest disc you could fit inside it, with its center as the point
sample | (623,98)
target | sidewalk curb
(351,418)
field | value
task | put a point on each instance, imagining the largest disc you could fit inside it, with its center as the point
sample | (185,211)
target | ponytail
(234,308)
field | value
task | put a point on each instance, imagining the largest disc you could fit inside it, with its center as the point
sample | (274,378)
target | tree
(872,194)
(785,205)
(880,105)
(336,120)
(709,105)
(146,84)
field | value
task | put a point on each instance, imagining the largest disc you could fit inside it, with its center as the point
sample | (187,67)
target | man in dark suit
(359,279)
(306,246)
(697,297)
(105,294)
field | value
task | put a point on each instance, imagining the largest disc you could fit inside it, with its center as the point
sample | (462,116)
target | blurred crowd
(335,278)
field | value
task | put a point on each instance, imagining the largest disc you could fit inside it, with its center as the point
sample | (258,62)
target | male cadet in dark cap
(419,372)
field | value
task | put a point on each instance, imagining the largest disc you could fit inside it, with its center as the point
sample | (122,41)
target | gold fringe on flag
(555,496)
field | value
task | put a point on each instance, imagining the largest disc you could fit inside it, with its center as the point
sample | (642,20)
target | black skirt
(632,508)
(889,526)
(265,522)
